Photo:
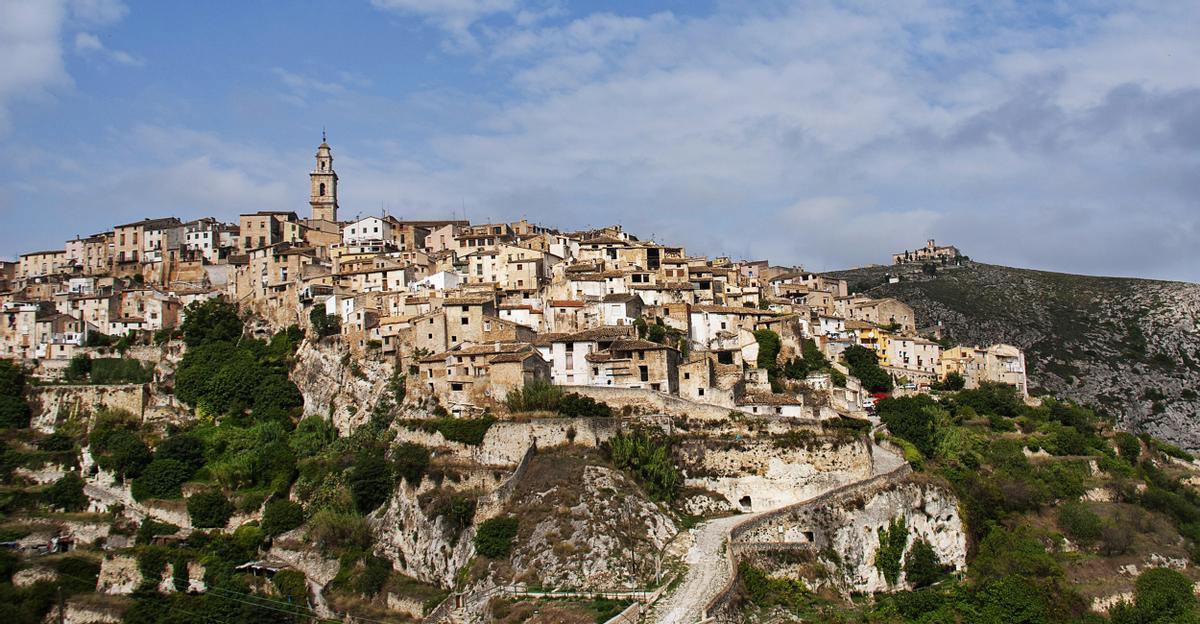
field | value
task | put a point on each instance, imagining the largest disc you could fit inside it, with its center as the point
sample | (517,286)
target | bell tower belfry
(323,195)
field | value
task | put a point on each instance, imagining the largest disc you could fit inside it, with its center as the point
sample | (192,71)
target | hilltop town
(299,418)
(478,309)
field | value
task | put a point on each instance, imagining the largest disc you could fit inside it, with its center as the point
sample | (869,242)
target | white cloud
(90,45)
(1035,129)
(29,32)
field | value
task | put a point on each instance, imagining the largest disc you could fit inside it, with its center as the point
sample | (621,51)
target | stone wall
(506,442)
(756,475)
(56,404)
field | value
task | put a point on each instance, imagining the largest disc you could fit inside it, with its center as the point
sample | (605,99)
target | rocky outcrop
(336,386)
(1131,346)
(53,405)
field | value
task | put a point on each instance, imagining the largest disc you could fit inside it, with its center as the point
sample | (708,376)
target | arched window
(321,192)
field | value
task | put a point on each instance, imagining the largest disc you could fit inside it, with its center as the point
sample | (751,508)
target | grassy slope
(1099,340)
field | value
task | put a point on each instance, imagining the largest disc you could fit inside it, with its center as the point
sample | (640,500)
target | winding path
(708,560)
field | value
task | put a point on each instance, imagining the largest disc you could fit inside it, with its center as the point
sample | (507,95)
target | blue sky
(821,133)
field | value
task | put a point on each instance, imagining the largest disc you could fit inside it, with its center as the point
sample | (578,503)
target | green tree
(161,479)
(211,320)
(410,461)
(1128,446)
(649,459)
(892,541)
(921,565)
(79,368)
(209,509)
(187,448)
(371,481)
(14,411)
(324,324)
(495,537)
(66,493)
(864,364)
(281,515)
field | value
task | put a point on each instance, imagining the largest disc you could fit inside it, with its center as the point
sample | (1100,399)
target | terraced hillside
(1128,346)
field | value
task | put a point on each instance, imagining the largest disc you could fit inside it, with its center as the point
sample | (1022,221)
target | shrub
(538,395)
(79,368)
(310,436)
(765,591)
(119,371)
(209,509)
(14,411)
(211,320)
(371,481)
(495,536)
(331,530)
(56,443)
(281,516)
(410,461)
(291,584)
(1079,523)
(186,448)
(1128,446)
(324,324)
(921,565)
(151,528)
(911,418)
(66,493)
(1160,593)
(160,479)
(892,541)
(468,431)
(864,364)
(119,451)
(649,459)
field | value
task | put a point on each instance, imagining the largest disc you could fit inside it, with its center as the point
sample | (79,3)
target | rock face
(849,526)
(584,526)
(1131,346)
(757,475)
(337,386)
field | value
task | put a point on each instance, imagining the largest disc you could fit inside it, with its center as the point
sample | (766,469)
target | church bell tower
(323,196)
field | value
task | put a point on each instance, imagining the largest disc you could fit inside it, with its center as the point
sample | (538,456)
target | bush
(649,459)
(911,418)
(921,565)
(56,443)
(324,324)
(186,448)
(495,536)
(410,461)
(66,493)
(209,509)
(371,481)
(292,585)
(331,530)
(1160,595)
(281,516)
(119,451)
(79,368)
(160,479)
(765,591)
(14,411)
(864,364)
(211,320)
(892,541)
(468,431)
(310,436)
(1080,523)
(1128,446)
(120,371)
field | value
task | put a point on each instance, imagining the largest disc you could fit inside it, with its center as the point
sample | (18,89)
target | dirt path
(708,572)
(708,565)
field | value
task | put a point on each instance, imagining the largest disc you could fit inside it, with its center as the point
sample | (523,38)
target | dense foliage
(468,431)
(649,459)
(209,509)
(864,364)
(211,320)
(542,396)
(14,411)
(495,536)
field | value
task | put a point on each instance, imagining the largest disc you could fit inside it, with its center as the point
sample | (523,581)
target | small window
(321,190)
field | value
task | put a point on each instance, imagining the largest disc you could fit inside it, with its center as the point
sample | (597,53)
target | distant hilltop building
(931,252)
